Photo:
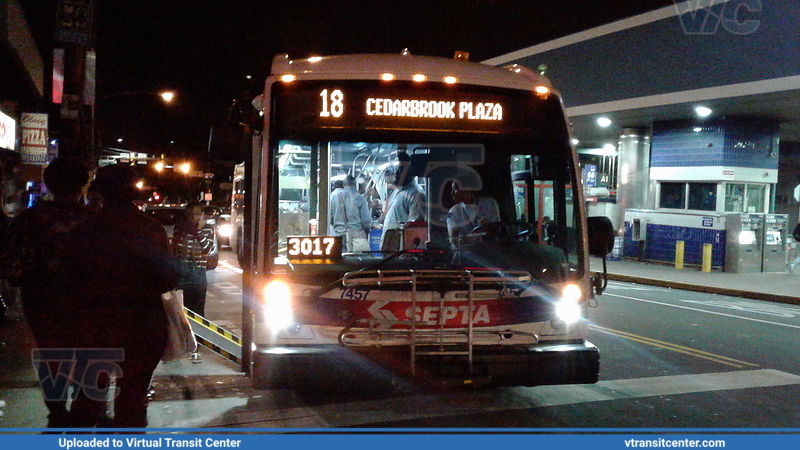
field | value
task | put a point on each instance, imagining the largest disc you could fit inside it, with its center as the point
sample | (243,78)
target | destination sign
(365,104)
(434,109)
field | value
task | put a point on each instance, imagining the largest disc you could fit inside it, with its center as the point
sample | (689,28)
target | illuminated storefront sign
(8,132)
(33,148)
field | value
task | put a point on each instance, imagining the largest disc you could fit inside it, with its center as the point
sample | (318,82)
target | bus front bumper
(558,363)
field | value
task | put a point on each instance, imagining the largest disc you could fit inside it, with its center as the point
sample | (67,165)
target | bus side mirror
(601,236)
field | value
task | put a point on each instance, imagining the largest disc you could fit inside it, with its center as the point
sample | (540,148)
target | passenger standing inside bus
(470,211)
(406,204)
(351,217)
(333,203)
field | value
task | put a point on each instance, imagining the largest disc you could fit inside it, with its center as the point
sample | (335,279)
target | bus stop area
(192,395)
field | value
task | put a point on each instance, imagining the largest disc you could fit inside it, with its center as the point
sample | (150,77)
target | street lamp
(165,96)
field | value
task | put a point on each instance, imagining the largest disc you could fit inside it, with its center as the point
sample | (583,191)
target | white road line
(635,287)
(706,311)
(496,400)
(230,266)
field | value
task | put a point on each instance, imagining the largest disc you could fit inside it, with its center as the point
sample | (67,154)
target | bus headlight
(568,308)
(277,305)
(225,230)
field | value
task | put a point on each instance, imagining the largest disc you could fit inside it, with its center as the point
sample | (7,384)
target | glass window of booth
(745,198)
(672,195)
(703,196)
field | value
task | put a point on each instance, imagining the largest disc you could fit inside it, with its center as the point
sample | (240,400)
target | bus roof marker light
(542,92)
(449,79)
(288,78)
(419,77)
(387,76)
(604,122)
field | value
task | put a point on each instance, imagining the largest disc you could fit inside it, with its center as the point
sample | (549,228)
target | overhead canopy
(735,57)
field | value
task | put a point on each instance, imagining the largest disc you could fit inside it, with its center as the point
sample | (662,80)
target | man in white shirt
(406,204)
(470,211)
(351,217)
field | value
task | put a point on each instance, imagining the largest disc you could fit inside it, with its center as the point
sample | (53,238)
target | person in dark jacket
(34,252)
(124,263)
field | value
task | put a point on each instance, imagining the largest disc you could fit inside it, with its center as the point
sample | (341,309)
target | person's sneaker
(195,357)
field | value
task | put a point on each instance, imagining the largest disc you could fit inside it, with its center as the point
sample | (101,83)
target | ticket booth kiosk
(776,229)
(744,246)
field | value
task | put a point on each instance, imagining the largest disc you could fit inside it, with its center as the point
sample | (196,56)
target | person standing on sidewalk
(34,252)
(796,235)
(122,262)
(192,242)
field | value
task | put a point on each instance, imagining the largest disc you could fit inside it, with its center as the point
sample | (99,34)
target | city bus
(498,305)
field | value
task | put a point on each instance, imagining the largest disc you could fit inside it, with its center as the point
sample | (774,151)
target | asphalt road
(669,359)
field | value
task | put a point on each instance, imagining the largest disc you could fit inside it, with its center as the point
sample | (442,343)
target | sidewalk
(773,286)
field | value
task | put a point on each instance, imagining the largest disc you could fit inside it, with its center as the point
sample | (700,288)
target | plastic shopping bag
(180,341)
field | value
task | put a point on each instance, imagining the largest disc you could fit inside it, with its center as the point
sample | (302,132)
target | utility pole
(75,33)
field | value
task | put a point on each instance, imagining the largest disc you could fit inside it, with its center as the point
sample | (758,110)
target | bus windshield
(467,200)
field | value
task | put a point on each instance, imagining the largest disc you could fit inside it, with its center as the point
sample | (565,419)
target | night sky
(205,49)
